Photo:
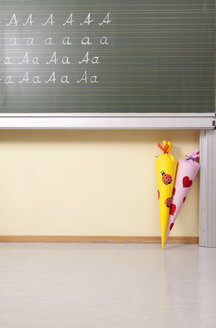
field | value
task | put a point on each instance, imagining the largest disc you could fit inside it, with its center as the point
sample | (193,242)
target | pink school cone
(186,173)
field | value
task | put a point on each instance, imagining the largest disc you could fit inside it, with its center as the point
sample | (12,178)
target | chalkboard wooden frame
(198,121)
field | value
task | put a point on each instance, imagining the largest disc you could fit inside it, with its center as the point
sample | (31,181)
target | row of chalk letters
(53,78)
(50,41)
(51,20)
(53,59)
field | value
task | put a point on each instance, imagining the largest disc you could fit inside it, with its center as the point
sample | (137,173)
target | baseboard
(99,239)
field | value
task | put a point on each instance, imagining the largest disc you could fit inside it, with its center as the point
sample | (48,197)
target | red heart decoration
(174,190)
(171,226)
(186,182)
(184,199)
(172,209)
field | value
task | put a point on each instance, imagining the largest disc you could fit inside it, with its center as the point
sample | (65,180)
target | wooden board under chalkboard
(108,56)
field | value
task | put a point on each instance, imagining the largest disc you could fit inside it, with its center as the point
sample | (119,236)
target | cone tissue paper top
(166,170)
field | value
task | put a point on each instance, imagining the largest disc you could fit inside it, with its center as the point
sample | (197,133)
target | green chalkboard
(105,56)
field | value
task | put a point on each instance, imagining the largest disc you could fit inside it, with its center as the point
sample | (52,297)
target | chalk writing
(52,19)
(88,20)
(29,21)
(47,49)
(13,21)
(70,20)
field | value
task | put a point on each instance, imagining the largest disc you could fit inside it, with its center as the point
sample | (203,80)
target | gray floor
(106,285)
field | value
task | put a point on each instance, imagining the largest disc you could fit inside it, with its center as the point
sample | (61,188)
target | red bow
(164,149)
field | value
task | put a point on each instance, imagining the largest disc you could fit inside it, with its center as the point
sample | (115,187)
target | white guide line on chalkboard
(50,21)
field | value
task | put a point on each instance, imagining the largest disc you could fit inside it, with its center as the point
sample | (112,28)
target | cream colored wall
(88,183)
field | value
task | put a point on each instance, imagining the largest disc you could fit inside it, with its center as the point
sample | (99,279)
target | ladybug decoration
(166,178)
(168,202)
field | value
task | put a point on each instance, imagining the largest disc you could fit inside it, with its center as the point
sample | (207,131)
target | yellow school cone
(166,170)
